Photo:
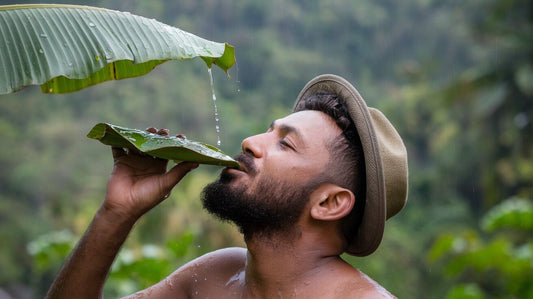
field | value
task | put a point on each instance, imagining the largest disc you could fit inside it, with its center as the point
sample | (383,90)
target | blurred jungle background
(455,77)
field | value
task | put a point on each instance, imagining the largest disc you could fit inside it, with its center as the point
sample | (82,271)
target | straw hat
(385,162)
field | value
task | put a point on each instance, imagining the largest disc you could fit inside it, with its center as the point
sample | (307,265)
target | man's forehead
(309,122)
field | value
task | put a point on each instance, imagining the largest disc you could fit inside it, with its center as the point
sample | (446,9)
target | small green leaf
(465,291)
(514,213)
(164,147)
(441,247)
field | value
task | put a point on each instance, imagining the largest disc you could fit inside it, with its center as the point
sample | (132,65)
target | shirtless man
(320,182)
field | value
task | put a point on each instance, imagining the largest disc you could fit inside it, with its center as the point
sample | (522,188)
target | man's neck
(277,266)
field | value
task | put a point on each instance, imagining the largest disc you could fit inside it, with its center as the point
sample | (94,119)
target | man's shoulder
(221,261)
(359,285)
(231,256)
(208,273)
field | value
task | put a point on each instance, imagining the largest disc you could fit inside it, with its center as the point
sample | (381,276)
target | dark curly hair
(346,165)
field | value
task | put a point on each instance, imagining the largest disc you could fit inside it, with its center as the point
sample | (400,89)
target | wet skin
(306,265)
(295,148)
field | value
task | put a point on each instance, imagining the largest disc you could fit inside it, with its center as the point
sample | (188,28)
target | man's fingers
(152,130)
(165,132)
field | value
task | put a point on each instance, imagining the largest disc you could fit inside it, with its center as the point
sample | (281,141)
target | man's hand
(139,182)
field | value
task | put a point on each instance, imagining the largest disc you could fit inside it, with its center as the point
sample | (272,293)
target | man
(320,182)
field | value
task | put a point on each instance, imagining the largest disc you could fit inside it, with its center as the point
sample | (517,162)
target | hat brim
(370,232)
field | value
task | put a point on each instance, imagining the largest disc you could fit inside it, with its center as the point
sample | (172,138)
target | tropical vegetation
(454,77)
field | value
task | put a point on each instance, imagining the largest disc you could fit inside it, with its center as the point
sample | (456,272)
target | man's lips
(245,163)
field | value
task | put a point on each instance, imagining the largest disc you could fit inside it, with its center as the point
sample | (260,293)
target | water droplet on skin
(169,283)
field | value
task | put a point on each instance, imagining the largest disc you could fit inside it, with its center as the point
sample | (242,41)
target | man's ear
(331,202)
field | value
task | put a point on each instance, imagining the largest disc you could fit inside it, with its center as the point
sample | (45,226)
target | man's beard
(273,207)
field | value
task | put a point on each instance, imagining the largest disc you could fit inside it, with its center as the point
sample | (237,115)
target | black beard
(274,207)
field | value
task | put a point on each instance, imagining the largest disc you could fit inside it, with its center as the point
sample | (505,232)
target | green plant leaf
(165,147)
(65,48)
(514,213)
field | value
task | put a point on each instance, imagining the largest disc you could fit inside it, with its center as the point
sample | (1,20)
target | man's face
(280,169)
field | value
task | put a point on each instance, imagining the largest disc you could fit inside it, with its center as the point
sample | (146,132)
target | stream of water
(217,119)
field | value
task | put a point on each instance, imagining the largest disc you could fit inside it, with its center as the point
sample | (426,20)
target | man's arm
(137,184)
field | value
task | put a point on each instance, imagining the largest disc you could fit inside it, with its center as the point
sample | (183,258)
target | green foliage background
(454,77)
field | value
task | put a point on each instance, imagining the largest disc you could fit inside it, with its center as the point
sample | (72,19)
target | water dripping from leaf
(217,126)
(237,81)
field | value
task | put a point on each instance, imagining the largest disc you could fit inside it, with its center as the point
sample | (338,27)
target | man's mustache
(247,163)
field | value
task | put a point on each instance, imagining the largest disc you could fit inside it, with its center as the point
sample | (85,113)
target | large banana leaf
(65,48)
(165,147)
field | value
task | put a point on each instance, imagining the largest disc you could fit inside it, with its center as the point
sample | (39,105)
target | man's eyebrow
(287,129)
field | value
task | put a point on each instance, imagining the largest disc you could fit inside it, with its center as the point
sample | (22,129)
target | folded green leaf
(65,48)
(165,147)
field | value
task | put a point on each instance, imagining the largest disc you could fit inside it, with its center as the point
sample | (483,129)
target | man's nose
(252,146)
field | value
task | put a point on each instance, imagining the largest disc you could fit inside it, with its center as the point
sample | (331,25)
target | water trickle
(217,126)
(237,81)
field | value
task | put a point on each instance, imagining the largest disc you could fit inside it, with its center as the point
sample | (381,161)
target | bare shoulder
(213,266)
(356,284)
(221,257)
(208,272)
